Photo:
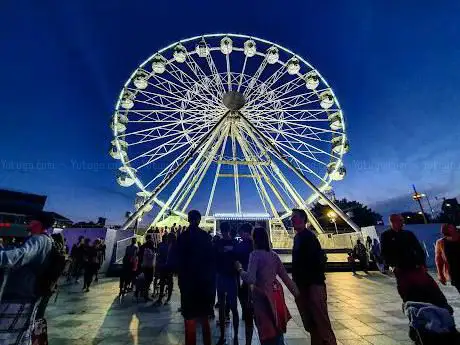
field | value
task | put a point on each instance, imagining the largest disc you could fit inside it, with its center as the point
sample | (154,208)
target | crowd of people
(235,266)
(86,258)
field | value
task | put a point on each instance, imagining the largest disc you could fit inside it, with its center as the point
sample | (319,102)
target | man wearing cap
(21,268)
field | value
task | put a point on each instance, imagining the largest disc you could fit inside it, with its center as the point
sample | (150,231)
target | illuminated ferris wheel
(228,109)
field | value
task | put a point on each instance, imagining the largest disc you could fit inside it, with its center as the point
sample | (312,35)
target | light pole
(418,197)
(333,217)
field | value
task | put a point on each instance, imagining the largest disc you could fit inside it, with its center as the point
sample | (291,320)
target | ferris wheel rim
(125,162)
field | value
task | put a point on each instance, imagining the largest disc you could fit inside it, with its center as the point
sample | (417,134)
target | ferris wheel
(234,110)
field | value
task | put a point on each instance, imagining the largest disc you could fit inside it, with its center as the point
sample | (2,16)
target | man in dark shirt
(147,267)
(196,275)
(227,280)
(402,251)
(243,250)
(308,266)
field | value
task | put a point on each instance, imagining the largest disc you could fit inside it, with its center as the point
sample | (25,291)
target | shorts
(228,285)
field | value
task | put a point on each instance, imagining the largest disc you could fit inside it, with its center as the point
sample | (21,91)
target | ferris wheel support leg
(235,171)
(250,156)
(173,174)
(287,185)
(257,178)
(196,184)
(186,177)
(334,207)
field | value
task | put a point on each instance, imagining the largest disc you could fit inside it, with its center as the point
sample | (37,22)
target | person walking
(167,268)
(377,255)
(243,251)
(308,267)
(360,253)
(129,266)
(270,311)
(447,256)
(76,255)
(402,251)
(147,264)
(91,263)
(196,275)
(22,269)
(227,281)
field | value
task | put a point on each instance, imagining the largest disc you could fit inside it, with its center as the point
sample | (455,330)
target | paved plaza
(364,310)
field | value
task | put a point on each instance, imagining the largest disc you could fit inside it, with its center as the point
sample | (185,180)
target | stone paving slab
(364,310)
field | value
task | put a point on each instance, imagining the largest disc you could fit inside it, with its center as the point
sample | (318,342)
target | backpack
(148,258)
(47,280)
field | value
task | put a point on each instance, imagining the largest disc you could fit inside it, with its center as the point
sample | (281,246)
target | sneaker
(87,290)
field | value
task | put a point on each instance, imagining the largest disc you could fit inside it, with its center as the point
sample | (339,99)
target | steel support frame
(304,179)
(211,134)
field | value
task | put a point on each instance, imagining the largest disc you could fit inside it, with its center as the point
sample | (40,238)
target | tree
(359,213)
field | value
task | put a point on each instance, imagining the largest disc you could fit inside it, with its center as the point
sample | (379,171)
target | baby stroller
(430,325)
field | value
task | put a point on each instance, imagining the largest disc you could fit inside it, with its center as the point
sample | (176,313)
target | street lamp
(332,217)
(418,198)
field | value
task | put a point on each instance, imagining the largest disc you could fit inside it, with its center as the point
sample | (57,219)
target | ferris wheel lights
(327,99)
(226,45)
(115,154)
(335,121)
(250,48)
(118,127)
(125,180)
(311,80)
(340,143)
(180,53)
(158,64)
(127,103)
(127,100)
(293,66)
(121,118)
(202,49)
(140,80)
(273,55)
(336,170)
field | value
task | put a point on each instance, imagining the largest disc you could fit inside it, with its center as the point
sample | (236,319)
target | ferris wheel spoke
(198,72)
(166,99)
(229,78)
(187,94)
(235,171)
(170,167)
(292,132)
(213,134)
(258,172)
(164,149)
(268,83)
(288,187)
(196,183)
(290,102)
(280,91)
(215,74)
(186,79)
(255,77)
(240,79)
(155,134)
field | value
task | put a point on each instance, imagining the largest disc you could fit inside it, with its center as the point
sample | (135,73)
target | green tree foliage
(360,214)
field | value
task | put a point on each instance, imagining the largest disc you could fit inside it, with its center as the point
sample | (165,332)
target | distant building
(414,217)
(451,210)
(16,208)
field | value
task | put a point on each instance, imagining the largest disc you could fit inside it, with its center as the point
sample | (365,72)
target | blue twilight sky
(394,65)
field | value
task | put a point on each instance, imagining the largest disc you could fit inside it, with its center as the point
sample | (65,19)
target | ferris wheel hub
(234,100)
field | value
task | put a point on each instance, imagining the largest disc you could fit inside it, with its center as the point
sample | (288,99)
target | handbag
(282,314)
